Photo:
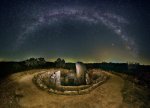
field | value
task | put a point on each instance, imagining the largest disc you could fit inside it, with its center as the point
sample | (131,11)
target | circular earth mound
(68,84)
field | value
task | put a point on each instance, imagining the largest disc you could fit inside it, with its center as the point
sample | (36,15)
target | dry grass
(135,96)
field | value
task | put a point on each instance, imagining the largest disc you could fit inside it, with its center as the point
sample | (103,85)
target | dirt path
(108,95)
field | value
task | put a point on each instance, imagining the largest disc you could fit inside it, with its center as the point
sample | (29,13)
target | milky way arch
(114,22)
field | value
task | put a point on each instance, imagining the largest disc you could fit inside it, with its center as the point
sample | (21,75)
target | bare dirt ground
(24,94)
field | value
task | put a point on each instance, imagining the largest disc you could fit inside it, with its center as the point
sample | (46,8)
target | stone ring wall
(39,80)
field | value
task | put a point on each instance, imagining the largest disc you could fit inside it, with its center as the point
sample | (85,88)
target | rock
(51,90)
(19,92)
(80,72)
(58,78)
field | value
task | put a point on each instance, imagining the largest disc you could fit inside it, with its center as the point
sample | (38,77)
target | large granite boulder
(81,73)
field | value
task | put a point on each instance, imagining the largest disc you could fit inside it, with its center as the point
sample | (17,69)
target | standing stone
(80,73)
(53,79)
(88,81)
(58,82)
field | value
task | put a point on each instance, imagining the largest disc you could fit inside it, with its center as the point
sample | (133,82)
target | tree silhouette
(60,63)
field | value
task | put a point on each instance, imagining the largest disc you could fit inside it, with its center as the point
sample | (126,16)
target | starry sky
(76,30)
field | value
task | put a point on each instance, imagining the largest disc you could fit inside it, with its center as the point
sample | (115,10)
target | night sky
(76,30)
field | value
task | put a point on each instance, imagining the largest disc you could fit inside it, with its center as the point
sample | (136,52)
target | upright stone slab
(58,82)
(80,73)
(88,81)
(53,79)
